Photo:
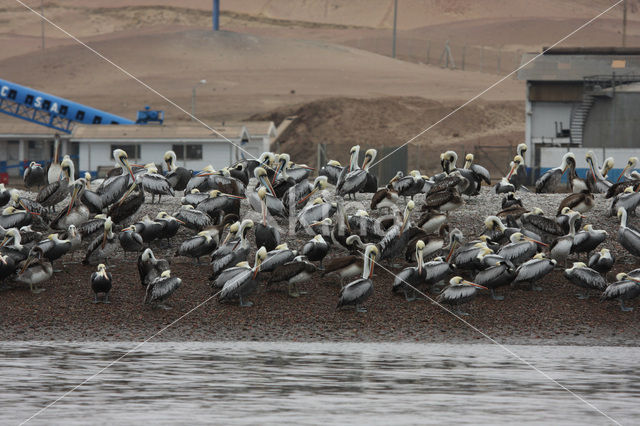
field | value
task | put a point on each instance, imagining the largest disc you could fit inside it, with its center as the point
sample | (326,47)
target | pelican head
(521,149)
(608,165)
(568,160)
(261,174)
(459,281)
(267,158)
(122,159)
(369,156)
(261,255)
(102,270)
(538,211)
(631,164)
(166,273)
(370,254)
(334,163)
(170,159)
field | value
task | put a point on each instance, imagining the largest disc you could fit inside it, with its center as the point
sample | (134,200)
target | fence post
(322,156)
(464,53)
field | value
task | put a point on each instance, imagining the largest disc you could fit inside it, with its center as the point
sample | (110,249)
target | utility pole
(395,20)
(624,23)
(216,15)
(42,25)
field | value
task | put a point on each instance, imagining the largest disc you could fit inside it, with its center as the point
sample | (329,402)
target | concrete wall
(551,157)
(545,114)
(623,110)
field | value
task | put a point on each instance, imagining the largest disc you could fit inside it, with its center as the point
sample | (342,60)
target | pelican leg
(495,297)
(298,290)
(291,291)
(106,298)
(409,298)
(459,312)
(532,286)
(95,299)
(36,290)
(244,304)
(624,308)
(163,306)
(582,296)
(360,308)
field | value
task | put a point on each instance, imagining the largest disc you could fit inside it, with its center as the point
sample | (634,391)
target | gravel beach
(65,310)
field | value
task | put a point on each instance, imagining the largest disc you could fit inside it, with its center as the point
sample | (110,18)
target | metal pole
(42,21)
(395,20)
(624,23)
(216,15)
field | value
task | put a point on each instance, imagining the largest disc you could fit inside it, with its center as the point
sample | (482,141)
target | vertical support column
(22,150)
(216,15)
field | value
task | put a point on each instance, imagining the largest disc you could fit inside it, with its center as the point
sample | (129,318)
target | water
(311,383)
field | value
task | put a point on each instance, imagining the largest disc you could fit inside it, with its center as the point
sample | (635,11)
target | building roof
(150,131)
(260,128)
(571,65)
(14,127)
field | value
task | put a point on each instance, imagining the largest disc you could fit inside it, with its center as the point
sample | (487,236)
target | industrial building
(580,99)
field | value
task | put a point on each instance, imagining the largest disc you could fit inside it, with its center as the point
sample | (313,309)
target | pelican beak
(453,246)
(623,172)
(405,219)
(275,175)
(372,261)
(5,240)
(73,200)
(26,264)
(2,260)
(234,196)
(636,280)
(306,197)
(267,184)
(513,168)
(536,241)
(255,273)
(367,158)
(178,220)
(104,237)
(126,163)
(316,223)
(129,191)
(475,285)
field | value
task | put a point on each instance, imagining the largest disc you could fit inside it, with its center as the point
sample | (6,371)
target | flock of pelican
(518,247)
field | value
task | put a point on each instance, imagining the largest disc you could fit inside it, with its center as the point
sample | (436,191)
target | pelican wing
(288,271)
(621,288)
(586,277)
(337,263)
(454,293)
(156,184)
(353,182)
(163,287)
(482,173)
(533,269)
(544,224)
(355,291)
(280,257)
(91,226)
(228,274)
(191,244)
(232,286)
(549,181)
(195,217)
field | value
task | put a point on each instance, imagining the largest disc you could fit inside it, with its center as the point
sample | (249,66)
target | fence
(443,53)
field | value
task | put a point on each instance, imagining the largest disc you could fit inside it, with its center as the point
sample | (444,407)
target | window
(12,94)
(97,119)
(28,100)
(132,150)
(80,115)
(46,105)
(64,109)
(194,151)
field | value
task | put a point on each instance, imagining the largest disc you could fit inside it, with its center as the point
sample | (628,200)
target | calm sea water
(311,383)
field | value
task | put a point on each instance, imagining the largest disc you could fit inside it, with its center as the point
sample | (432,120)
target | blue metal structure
(150,116)
(49,110)
(216,15)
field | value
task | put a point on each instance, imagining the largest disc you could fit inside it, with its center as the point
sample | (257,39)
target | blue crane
(56,112)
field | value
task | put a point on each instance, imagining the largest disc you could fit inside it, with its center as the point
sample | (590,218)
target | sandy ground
(554,316)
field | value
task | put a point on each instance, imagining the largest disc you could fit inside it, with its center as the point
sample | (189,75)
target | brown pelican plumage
(602,261)
(596,181)
(547,228)
(628,199)
(14,218)
(521,248)
(178,177)
(34,175)
(385,198)
(161,288)
(113,188)
(395,239)
(344,267)
(365,226)
(130,240)
(315,212)
(200,181)
(510,200)
(357,292)
(266,235)
(154,183)
(519,176)
(481,174)
(5,195)
(628,237)
(148,229)
(276,257)
(57,190)
(34,270)
(444,201)
(16,251)
(129,203)
(199,245)
(409,279)
(192,218)
(7,268)
(332,171)
(221,259)
(274,204)
(581,202)
(149,267)
(458,292)
(218,201)
(229,273)
(170,226)
(92,226)
(563,220)
(626,287)
(628,177)
(533,270)
(103,246)
(356,180)
(501,274)
(588,240)
(354,152)
(295,272)
(298,194)
(244,282)
(55,168)
(549,182)
(408,186)
(316,249)
(54,248)
(586,278)
(76,213)
(194,197)
(101,283)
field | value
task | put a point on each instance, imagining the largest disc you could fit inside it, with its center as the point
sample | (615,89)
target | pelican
(561,247)
(101,283)
(409,279)
(602,261)
(563,220)
(357,292)
(178,177)
(316,249)
(244,282)
(480,173)
(395,239)
(302,191)
(409,185)
(57,190)
(436,271)
(274,205)
(549,182)
(353,165)
(7,267)
(194,197)
(92,226)
(458,292)
(148,229)
(16,251)
(548,229)
(628,199)
(433,243)
(34,175)
(266,235)
(161,288)
(113,188)
(220,260)
(297,271)
(76,213)
(5,195)
(628,237)
(154,183)
(625,288)
(150,268)
(631,178)
(14,218)
(55,169)
(504,186)
(344,267)
(102,247)
(431,221)
(385,198)
(499,275)
(201,244)
(315,212)
(367,227)
(586,278)
(54,248)
(200,181)
(587,240)
(596,180)
(34,270)
(170,226)
(521,248)
(444,201)
(581,202)
(276,257)
(192,218)
(219,201)
(332,171)
(229,273)
(533,270)
(130,240)
(510,200)
(356,180)
(519,176)
(130,202)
